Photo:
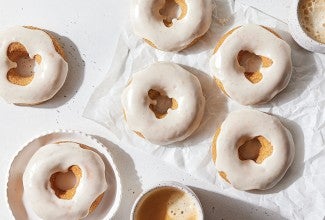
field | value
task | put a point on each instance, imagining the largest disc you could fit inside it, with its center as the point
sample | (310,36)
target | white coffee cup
(298,33)
(178,186)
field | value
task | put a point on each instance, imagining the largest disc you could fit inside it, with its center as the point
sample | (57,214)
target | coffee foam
(181,207)
(312,18)
(167,203)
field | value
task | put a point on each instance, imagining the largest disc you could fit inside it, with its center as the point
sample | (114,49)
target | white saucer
(16,200)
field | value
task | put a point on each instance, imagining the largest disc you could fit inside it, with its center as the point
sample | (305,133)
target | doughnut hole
(256,149)
(173,9)
(65,184)
(252,63)
(251,76)
(23,74)
(161,103)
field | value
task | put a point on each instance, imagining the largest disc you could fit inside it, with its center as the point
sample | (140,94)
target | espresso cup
(171,199)
(298,32)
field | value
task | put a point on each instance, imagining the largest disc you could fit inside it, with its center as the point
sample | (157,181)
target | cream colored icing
(255,39)
(59,157)
(148,23)
(49,75)
(177,83)
(244,125)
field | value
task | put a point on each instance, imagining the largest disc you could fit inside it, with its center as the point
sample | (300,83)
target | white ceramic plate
(16,200)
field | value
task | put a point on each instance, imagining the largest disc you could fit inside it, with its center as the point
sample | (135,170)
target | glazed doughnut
(32,65)
(252,150)
(52,202)
(166,28)
(251,64)
(163,103)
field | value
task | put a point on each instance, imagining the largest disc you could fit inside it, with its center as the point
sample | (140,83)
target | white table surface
(89,31)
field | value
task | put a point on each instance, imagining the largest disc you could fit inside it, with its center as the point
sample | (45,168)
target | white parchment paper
(301,193)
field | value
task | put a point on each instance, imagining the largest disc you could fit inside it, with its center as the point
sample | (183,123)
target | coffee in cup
(312,18)
(167,203)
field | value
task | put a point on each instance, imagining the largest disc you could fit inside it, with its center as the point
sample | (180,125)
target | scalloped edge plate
(15,199)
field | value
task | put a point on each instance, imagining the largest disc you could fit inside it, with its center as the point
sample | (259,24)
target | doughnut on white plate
(16,200)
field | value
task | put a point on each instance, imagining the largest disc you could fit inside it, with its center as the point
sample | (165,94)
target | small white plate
(16,200)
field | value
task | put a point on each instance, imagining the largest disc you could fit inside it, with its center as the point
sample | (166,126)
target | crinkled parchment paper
(301,193)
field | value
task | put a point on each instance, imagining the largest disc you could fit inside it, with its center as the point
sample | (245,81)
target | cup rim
(173,184)
(297,29)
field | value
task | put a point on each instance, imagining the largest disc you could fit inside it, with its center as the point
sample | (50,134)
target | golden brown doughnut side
(272,31)
(214,154)
(100,197)
(220,85)
(136,132)
(96,203)
(139,134)
(219,43)
(223,38)
(183,6)
(224,176)
(57,45)
(214,145)
(150,43)
(191,44)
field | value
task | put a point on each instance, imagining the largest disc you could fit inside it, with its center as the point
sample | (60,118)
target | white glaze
(177,83)
(148,23)
(241,126)
(59,157)
(49,76)
(258,40)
